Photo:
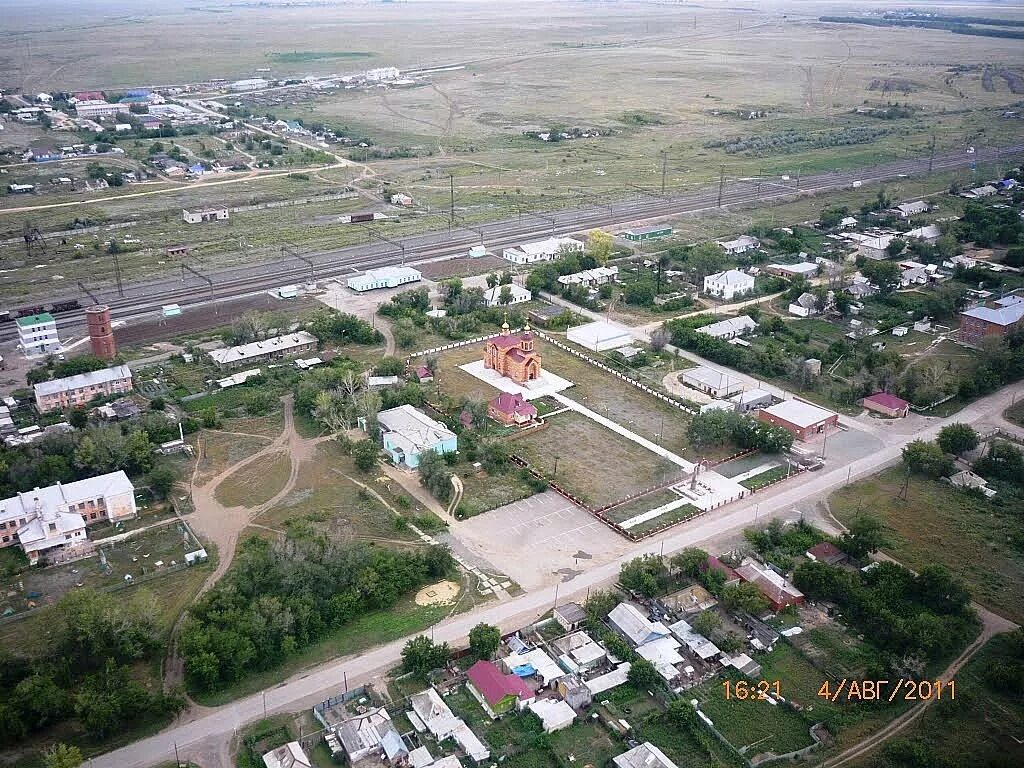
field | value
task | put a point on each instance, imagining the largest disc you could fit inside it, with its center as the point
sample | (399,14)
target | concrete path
(572,405)
(205,734)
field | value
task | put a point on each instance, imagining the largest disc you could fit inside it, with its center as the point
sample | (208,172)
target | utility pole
(117,274)
(931,154)
(451,184)
(664,170)
(721,185)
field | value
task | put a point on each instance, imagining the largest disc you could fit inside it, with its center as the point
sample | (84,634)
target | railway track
(143,299)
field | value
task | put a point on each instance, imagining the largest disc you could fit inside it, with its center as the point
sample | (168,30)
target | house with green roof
(37,335)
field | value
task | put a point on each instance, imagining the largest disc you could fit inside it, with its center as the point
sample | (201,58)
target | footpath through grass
(973,537)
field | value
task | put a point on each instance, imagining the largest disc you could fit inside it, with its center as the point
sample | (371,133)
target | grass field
(256,482)
(938,525)
(754,727)
(483,491)
(219,450)
(981,726)
(582,67)
(765,478)
(1015,413)
(326,493)
(368,630)
(616,468)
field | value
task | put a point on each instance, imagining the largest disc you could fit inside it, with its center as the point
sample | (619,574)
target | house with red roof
(779,591)
(497,692)
(714,564)
(886,404)
(423,375)
(826,552)
(511,410)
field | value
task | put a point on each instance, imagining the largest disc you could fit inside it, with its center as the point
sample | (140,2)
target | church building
(513,356)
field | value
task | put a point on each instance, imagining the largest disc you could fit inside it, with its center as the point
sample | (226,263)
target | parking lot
(540,540)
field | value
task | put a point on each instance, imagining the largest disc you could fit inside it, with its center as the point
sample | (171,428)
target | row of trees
(95,449)
(283,596)
(718,428)
(913,619)
(85,674)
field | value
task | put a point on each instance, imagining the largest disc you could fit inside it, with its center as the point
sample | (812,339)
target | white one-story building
(384,277)
(712,382)
(542,250)
(741,244)
(517,295)
(600,335)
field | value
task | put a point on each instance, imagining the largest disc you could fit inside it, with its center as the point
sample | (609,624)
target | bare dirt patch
(438,594)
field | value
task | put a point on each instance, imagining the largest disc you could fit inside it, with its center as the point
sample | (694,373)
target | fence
(333,701)
(621,376)
(453,345)
(796,754)
(302,201)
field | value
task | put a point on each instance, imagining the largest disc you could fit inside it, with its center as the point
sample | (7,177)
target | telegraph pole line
(931,154)
(117,274)
(721,185)
(664,170)
(451,184)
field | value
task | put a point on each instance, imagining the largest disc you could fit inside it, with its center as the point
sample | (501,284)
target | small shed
(887,405)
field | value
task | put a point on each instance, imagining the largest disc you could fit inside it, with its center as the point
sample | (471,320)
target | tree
(647,575)
(690,561)
(161,479)
(505,278)
(659,338)
(62,756)
(744,597)
(640,293)
(157,404)
(707,622)
(895,247)
(599,246)
(832,215)
(78,417)
(364,454)
(866,535)
(505,295)
(712,428)
(927,458)
(730,642)
(484,640)
(492,280)
(643,676)
(703,260)
(40,701)
(420,656)
(957,438)
(435,476)
(884,274)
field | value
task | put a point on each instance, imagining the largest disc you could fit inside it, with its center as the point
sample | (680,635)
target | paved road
(207,733)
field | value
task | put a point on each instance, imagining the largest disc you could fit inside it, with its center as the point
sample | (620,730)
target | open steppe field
(668,88)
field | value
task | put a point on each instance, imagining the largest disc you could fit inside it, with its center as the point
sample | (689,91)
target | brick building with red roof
(511,410)
(513,356)
(886,404)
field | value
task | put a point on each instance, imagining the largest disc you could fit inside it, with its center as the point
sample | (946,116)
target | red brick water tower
(101,335)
